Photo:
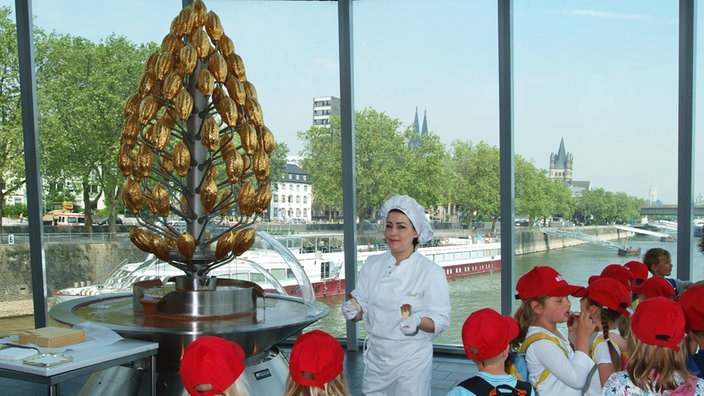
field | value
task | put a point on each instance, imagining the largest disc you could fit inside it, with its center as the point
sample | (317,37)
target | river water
(474,292)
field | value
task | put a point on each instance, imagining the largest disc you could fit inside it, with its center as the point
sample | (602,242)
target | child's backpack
(516,363)
(618,340)
(479,386)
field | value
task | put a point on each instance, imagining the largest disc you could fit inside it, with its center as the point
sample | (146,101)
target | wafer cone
(405,311)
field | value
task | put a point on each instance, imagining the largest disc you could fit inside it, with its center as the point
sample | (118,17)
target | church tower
(561,164)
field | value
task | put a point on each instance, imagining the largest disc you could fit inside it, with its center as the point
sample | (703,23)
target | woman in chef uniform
(398,351)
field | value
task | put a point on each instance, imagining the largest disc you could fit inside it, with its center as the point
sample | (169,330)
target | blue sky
(600,74)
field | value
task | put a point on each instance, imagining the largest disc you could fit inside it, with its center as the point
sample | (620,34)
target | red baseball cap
(488,333)
(316,358)
(638,269)
(609,293)
(616,271)
(691,303)
(213,361)
(654,287)
(544,281)
(659,321)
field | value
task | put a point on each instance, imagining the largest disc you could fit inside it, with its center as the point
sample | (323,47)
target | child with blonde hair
(315,367)
(606,302)
(554,367)
(658,362)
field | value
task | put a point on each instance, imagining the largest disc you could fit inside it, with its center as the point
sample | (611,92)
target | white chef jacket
(568,374)
(397,364)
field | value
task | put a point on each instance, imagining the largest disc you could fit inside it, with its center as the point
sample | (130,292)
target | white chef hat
(415,212)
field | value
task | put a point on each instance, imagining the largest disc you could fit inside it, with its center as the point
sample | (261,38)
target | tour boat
(320,257)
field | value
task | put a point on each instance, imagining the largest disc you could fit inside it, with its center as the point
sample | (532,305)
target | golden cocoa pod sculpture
(194,147)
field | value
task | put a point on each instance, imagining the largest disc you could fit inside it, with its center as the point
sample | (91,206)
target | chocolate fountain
(194,147)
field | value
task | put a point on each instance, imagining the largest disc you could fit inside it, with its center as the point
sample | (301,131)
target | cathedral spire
(424,131)
(416,127)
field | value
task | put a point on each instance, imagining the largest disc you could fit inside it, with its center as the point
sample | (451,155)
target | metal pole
(25,47)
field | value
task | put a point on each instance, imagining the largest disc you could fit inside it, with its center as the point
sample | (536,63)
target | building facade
(562,168)
(291,198)
(323,108)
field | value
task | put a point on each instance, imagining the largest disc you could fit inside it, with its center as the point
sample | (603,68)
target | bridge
(623,250)
(646,232)
(668,210)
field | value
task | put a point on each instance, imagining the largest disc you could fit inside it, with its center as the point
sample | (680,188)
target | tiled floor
(448,370)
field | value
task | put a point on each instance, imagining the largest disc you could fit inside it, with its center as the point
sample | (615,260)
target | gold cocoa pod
(164,64)
(245,159)
(213,26)
(226,146)
(211,173)
(130,130)
(151,61)
(245,199)
(132,104)
(206,82)
(183,105)
(187,59)
(160,248)
(218,66)
(187,19)
(150,204)
(132,195)
(236,65)
(225,244)
(244,239)
(148,108)
(260,164)
(149,136)
(250,90)
(145,158)
(209,133)
(186,244)
(209,195)
(171,43)
(234,166)
(248,138)
(171,85)
(226,202)
(123,159)
(142,239)
(201,43)
(225,45)
(147,83)
(236,89)
(167,166)
(228,110)
(263,196)
(161,199)
(181,158)
(184,203)
(162,131)
(199,11)
(266,140)
(254,112)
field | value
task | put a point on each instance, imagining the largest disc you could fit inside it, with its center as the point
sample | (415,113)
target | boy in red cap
(486,336)
(659,263)
(315,366)
(653,287)
(657,364)
(638,270)
(554,367)
(691,303)
(606,301)
(211,366)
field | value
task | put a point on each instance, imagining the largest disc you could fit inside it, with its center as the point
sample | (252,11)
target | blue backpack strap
(479,386)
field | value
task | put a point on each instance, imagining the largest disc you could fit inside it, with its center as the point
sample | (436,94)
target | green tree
(429,173)
(12,173)
(476,179)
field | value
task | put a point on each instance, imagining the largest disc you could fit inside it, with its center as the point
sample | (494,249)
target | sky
(600,74)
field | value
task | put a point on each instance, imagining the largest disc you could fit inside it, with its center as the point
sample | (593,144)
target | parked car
(105,221)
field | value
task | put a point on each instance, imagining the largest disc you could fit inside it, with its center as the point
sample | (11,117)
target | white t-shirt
(568,374)
(601,355)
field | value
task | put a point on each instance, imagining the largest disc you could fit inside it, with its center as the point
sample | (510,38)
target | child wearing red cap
(606,302)
(638,270)
(653,287)
(657,365)
(486,336)
(315,367)
(659,263)
(554,367)
(211,366)
(691,303)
